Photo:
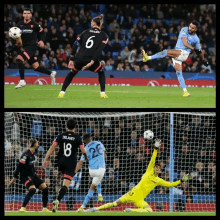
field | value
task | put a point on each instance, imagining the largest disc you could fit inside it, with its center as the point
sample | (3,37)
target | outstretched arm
(49,152)
(169,184)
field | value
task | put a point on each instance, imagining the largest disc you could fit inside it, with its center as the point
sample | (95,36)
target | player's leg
(45,193)
(31,191)
(99,68)
(178,68)
(33,61)
(99,190)
(162,54)
(141,205)
(67,82)
(20,59)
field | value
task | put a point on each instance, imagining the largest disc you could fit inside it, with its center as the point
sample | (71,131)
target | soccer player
(187,41)
(92,42)
(31,32)
(68,142)
(138,193)
(96,158)
(28,176)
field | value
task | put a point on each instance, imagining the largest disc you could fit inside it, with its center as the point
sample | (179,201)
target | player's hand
(71,65)
(41,44)
(157,144)
(11,182)
(197,51)
(205,63)
(45,164)
(186,178)
(88,65)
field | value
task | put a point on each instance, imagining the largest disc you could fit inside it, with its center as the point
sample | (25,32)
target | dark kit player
(31,32)
(28,176)
(92,42)
(68,142)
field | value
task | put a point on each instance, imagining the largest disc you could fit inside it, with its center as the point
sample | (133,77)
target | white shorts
(181,58)
(97,175)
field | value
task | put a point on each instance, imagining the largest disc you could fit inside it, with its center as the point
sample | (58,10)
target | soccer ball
(148,135)
(14,32)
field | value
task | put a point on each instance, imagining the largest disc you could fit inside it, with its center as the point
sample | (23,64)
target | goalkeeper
(148,182)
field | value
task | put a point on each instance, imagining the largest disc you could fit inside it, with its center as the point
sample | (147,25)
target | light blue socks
(181,80)
(88,197)
(159,55)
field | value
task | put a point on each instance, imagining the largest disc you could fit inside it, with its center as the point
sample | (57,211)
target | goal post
(188,146)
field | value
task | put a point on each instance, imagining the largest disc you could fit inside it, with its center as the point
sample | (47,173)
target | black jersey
(30,33)
(90,40)
(26,165)
(68,142)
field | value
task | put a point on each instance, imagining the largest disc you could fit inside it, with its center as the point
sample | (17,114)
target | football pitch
(111,214)
(46,96)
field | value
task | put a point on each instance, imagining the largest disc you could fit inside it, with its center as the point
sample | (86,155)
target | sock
(99,188)
(28,197)
(181,80)
(62,192)
(45,197)
(87,198)
(102,81)
(68,80)
(159,55)
(21,70)
(43,70)
(107,206)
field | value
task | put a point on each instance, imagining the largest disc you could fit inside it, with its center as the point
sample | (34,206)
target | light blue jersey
(192,40)
(95,151)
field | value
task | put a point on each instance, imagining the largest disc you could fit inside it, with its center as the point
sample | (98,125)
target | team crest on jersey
(21,25)
(32,26)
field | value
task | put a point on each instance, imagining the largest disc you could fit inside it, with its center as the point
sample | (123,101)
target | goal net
(188,146)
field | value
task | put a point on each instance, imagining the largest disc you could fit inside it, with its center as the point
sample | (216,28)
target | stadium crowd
(130,27)
(127,152)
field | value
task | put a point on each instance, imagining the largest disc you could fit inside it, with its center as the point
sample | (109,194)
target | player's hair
(86,136)
(27,9)
(99,20)
(71,124)
(195,23)
(32,142)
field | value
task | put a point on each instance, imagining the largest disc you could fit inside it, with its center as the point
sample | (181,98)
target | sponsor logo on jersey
(32,26)
(27,31)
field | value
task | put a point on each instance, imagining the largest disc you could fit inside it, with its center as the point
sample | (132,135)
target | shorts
(31,180)
(67,168)
(79,64)
(134,198)
(29,54)
(97,175)
(181,58)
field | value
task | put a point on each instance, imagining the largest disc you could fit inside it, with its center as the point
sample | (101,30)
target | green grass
(111,214)
(37,96)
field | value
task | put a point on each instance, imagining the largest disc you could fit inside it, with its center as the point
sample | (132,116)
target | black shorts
(31,180)
(29,54)
(67,168)
(79,64)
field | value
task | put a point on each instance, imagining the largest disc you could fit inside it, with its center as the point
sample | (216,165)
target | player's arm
(84,151)
(40,35)
(49,153)
(185,43)
(198,50)
(153,158)
(80,164)
(176,183)
(18,40)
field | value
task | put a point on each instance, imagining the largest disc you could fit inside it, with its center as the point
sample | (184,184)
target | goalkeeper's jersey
(149,181)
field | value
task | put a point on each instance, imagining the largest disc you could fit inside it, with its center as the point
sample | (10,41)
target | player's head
(87,138)
(157,169)
(71,124)
(27,14)
(33,143)
(97,21)
(193,27)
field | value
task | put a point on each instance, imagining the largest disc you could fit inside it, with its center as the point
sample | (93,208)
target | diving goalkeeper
(148,182)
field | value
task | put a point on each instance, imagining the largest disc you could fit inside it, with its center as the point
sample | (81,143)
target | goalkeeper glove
(186,178)
(205,63)
(157,144)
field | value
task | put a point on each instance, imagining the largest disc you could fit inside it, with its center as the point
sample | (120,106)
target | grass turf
(111,214)
(46,96)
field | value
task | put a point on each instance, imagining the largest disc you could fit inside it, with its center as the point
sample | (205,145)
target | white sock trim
(184,90)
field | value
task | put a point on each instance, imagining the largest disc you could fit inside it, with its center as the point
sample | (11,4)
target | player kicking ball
(187,41)
(148,182)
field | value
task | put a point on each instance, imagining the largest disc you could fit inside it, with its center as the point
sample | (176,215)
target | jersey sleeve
(152,161)
(162,182)
(22,162)
(57,140)
(183,33)
(18,24)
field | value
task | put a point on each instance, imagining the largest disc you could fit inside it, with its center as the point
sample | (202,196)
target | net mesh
(128,154)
